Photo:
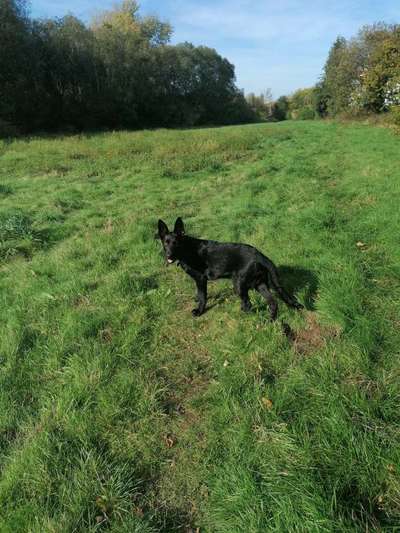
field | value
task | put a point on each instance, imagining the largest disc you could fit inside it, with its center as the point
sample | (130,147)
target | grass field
(120,412)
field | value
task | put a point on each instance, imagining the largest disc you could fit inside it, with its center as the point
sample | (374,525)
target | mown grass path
(119,411)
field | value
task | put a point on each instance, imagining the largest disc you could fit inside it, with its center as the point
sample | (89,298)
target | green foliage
(7,130)
(280,108)
(302,104)
(14,63)
(363,74)
(261,105)
(120,412)
(381,80)
(121,72)
(338,77)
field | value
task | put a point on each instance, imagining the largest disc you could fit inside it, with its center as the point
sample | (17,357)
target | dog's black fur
(207,260)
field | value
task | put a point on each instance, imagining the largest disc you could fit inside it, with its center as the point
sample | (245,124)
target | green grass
(120,412)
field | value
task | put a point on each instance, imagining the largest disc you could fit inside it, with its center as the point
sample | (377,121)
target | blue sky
(281,45)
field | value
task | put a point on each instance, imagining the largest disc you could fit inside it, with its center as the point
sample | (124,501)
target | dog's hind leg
(273,306)
(243,291)
(289,300)
(273,280)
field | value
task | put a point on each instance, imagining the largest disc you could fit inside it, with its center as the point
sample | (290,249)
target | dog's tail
(273,278)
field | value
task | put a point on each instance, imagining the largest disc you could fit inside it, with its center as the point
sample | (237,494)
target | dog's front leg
(201,283)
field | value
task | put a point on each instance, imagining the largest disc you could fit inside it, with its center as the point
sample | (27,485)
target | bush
(302,104)
(306,114)
(7,130)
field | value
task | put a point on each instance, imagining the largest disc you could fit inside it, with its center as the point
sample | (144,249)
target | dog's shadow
(218,297)
(295,279)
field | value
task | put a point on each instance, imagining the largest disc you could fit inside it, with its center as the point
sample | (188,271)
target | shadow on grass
(294,279)
(219,297)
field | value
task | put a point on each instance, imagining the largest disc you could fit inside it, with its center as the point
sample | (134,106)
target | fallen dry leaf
(380,502)
(106,335)
(169,441)
(138,511)
(267,403)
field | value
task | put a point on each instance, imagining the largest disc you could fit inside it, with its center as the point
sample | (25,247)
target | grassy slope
(119,410)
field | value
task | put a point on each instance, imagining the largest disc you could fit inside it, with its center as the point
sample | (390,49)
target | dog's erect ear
(179,228)
(162,229)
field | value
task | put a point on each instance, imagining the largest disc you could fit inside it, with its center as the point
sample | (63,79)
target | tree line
(361,76)
(120,71)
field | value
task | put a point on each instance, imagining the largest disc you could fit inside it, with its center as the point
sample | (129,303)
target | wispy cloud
(233,20)
(282,45)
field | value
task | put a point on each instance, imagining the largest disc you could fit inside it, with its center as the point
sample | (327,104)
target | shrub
(7,129)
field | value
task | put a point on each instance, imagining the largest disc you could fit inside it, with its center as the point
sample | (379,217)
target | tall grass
(119,411)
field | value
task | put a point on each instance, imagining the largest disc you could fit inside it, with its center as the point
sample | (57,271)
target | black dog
(207,260)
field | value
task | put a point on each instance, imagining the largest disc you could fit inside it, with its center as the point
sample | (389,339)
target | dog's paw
(196,312)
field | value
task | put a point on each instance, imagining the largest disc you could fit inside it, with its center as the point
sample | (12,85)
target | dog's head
(171,241)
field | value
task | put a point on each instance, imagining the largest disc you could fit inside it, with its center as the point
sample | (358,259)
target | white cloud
(288,20)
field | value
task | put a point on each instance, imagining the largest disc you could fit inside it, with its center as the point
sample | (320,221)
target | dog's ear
(179,228)
(162,229)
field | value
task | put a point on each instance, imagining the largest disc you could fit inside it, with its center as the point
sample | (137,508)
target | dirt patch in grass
(186,372)
(313,336)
